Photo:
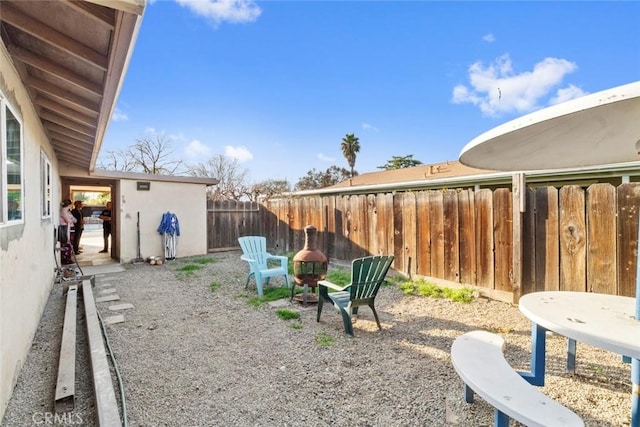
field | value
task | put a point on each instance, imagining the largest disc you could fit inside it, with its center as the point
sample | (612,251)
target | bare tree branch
(117,160)
(233,180)
(152,155)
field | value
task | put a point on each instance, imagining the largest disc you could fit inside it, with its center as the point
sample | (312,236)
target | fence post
(518,208)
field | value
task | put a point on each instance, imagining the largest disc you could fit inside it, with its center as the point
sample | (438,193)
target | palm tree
(350,147)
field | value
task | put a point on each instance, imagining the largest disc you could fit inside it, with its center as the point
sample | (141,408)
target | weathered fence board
(503,231)
(338,215)
(398,221)
(547,247)
(284,226)
(409,232)
(467,236)
(385,233)
(359,214)
(299,222)
(450,228)
(330,227)
(484,232)
(529,244)
(350,232)
(436,205)
(423,234)
(372,225)
(573,239)
(628,198)
(601,238)
(230,219)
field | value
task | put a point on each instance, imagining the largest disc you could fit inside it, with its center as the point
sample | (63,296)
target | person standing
(66,219)
(79,225)
(105,216)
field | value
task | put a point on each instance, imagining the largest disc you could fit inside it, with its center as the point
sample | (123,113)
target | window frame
(4,184)
(45,185)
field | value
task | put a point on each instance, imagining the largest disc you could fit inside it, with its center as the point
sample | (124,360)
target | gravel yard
(194,352)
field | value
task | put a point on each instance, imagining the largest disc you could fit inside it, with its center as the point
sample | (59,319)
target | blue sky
(278,84)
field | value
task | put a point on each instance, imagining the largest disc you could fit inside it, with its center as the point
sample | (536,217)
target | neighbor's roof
(438,171)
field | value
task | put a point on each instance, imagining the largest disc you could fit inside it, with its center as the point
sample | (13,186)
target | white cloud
(326,158)
(497,89)
(177,137)
(119,116)
(242,154)
(367,126)
(196,150)
(567,94)
(489,38)
(234,11)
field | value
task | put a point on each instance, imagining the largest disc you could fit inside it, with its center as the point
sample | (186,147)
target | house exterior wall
(27,263)
(187,201)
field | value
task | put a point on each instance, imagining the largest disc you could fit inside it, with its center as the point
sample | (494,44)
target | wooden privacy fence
(229,219)
(572,238)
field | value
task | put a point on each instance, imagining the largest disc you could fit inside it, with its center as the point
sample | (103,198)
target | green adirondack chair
(367,274)
(254,251)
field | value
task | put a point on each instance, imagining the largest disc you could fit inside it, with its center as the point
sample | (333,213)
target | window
(11,176)
(45,185)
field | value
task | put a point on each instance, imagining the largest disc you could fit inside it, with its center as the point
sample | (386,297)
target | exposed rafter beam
(63,151)
(70,158)
(102,15)
(65,112)
(51,67)
(52,104)
(78,146)
(76,102)
(47,115)
(50,35)
(130,6)
(68,132)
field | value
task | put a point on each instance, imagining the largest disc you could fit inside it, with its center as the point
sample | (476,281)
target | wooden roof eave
(125,34)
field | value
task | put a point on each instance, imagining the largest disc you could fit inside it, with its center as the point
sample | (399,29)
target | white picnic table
(596,129)
(601,320)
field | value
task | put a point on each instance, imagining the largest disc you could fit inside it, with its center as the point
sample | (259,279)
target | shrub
(427,289)
(204,260)
(270,294)
(285,314)
(324,340)
(339,276)
(187,270)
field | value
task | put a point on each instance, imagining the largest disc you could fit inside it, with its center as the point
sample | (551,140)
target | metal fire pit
(309,267)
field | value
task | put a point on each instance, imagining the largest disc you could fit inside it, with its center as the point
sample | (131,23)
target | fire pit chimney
(309,264)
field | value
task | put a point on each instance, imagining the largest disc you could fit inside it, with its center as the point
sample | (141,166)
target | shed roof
(101,173)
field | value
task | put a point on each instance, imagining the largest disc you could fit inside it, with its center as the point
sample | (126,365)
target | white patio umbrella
(597,129)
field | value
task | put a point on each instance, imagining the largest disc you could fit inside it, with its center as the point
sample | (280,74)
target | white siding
(25,280)
(187,201)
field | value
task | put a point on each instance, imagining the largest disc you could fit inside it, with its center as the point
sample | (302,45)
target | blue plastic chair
(254,249)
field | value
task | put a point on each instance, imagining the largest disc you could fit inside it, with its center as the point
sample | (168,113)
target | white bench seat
(479,361)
